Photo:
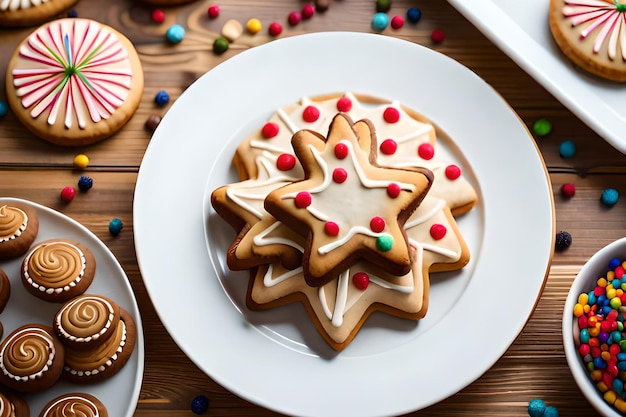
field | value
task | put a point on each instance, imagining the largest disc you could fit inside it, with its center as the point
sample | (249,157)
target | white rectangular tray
(520,29)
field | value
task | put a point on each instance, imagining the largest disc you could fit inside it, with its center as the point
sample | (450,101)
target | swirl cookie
(74,81)
(19,226)
(86,321)
(75,404)
(12,405)
(591,34)
(5,290)
(31,359)
(31,12)
(57,270)
(85,366)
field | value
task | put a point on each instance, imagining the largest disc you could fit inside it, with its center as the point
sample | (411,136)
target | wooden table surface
(534,366)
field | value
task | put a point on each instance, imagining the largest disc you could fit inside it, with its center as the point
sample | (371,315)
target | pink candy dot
(389,147)
(438,231)
(294,18)
(275,29)
(341,150)
(453,172)
(361,280)
(397,22)
(270,130)
(308,10)
(377,224)
(213,11)
(393,190)
(426,151)
(344,104)
(285,162)
(340,175)
(391,115)
(310,114)
(331,229)
(303,199)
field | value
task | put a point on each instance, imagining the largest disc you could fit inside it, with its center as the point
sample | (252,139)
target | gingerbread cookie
(74,81)
(58,270)
(31,12)
(5,290)
(19,226)
(86,366)
(86,321)
(73,405)
(31,359)
(12,405)
(591,34)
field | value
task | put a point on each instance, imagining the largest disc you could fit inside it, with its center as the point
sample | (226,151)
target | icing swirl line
(71,406)
(54,267)
(85,319)
(27,354)
(13,222)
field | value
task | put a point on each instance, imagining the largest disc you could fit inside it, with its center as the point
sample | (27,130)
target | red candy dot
(361,280)
(438,231)
(341,150)
(391,115)
(388,147)
(308,10)
(340,175)
(453,172)
(67,194)
(568,190)
(437,36)
(310,114)
(270,130)
(397,22)
(393,190)
(214,11)
(285,162)
(331,229)
(344,104)
(275,29)
(303,199)
(426,151)
(294,18)
(619,272)
(158,16)
(377,224)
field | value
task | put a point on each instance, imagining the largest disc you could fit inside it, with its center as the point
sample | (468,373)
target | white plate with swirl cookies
(70,321)
(331,233)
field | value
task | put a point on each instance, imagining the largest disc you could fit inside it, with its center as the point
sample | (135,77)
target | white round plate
(276,358)
(119,393)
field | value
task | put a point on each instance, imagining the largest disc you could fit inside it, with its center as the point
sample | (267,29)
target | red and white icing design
(72,71)
(12,5)
(600,20)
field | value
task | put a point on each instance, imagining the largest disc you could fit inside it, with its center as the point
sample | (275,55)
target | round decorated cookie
(11,405)
(86,366)
(5,290)
(591,34)
(31,12)
(86,321)
(19,226)
(31,359)
(74,81)
(73,405)
(58,270)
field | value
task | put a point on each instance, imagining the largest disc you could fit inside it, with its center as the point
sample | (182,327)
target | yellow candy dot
(254,26)
(583,298)
(610,293)
(578,310)
(610,396)
(594,331)
(602,282)
(81,161)
(586,308)
(610,276)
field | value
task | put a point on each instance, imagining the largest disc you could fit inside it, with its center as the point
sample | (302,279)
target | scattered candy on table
(437,36)
(563,240)
(4,109)
(220,45)
(175,33)
(383,5)
(551,412)
(397,22)
(162,98)
(542,127)
(115,226)
(213,11)
(568,190)
(157,16)
(380,21)
(567,149)
(81,161)
(599,333)
(413,14)
(200,404)
(294,18)
(275,29)
(322,5)
(609,197)
(85,183)
(68,194)
(72,14)
(152,122)
(254,26)
(536,407)
(232,30)
(308,10)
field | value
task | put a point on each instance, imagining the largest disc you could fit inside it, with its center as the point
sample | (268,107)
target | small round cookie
(88,366)
(19,226)
(74,404)
(5,290)
(31,359)
(58,270)
(590,34)
(12,405)
(86,321)
(14,13)
(74,81)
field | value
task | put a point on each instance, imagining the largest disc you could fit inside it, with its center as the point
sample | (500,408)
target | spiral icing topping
(6,407)
(55,267)
(13,222)
(13,5)
(27,354)
(71,406)
(93,361)
(85,319)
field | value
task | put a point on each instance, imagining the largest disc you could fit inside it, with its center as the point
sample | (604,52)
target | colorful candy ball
(213,11)
(563,240)
(568,190)
(175,33)
(437,36)
(609,197)
(383,5)
(68,194)
(85,183)
(115,226)
(157,16)
(275,29)
(536,407)
(397,22)
(294,18)
(72,14)
(542,127)
(200,404)
(567,149)
(413,14)
(162,98)
(308,10)
(220,45)
(254,26)
(4,109)
(81,161)
(380,21)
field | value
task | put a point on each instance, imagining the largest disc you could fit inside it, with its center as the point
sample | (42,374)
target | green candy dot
(220,45)
(384,243)
(542,127)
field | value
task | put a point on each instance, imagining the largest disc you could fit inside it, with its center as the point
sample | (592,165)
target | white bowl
(595,267)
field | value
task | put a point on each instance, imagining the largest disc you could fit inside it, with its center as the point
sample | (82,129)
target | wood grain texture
(533,366)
